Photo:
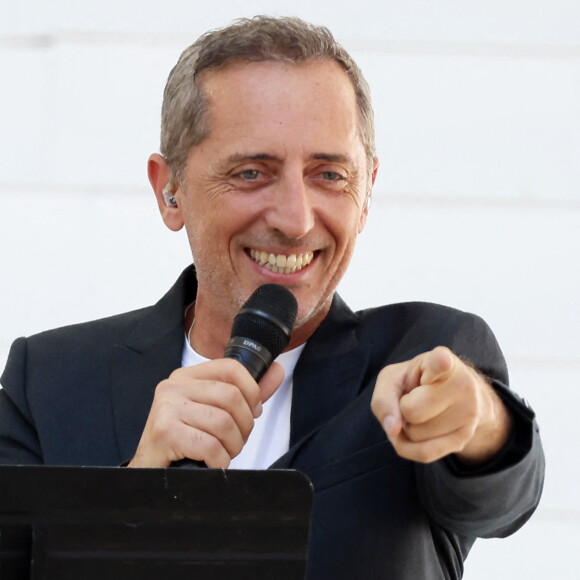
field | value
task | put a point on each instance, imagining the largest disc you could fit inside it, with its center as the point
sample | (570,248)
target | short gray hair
(184,119)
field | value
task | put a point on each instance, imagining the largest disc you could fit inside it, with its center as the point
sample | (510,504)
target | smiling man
(401,415)
(279,182)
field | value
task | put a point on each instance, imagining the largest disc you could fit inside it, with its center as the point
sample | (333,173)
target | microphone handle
(255,357)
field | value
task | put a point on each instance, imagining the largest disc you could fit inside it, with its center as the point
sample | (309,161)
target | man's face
(276,193)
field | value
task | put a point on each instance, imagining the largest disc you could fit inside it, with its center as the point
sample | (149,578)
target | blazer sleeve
(497,498)
(19,443)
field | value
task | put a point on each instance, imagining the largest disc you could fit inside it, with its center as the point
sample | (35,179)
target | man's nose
(291,211)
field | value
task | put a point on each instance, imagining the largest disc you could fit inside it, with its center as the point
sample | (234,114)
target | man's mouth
(281,263)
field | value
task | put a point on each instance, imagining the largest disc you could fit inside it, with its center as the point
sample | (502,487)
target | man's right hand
(204,412)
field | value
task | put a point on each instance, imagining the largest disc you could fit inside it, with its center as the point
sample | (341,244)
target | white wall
(477,204)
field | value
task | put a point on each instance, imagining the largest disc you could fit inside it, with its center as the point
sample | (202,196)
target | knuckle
(231,396)
(235,448)
(160,415)
(210,445)
(162,428)
(235,369)
(164,386)
(222,421)
(442,350)
(411,413)
(471,413)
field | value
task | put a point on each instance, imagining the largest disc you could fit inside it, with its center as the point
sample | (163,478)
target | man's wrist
(493,433)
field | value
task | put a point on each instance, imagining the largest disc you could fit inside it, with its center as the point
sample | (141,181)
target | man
(400,416)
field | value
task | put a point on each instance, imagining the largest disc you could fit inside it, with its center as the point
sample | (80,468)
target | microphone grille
(267,317)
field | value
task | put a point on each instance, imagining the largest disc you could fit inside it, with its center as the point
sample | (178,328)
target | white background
(477,204)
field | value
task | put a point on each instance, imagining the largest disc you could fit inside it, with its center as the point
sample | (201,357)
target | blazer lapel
(149,354)
(328,376)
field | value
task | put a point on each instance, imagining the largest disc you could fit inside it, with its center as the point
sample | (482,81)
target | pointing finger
(390,386)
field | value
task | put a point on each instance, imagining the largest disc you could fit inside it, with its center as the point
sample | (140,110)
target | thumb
(437,365)
(271,380)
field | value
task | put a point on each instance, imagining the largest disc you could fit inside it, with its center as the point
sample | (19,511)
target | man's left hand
(435,405)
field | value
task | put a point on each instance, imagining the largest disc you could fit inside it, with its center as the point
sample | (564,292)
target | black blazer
(80,395)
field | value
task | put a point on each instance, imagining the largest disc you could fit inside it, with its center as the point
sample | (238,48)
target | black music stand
(106,523)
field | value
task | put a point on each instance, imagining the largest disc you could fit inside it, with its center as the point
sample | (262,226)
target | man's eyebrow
(226,164)
(237,157)
(334,157)
(243,157)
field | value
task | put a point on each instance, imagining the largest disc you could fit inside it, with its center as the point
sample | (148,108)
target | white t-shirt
(270,437)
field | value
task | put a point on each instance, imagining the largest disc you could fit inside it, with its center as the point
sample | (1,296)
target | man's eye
(331,176)
(249,174)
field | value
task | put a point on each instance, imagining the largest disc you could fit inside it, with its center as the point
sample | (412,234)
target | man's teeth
(280,263)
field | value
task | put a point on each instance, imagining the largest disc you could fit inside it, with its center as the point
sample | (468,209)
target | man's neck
(209,332)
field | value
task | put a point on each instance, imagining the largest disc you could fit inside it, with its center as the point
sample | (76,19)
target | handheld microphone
(262,328)
(260,332)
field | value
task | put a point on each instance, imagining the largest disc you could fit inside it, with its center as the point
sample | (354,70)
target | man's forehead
(274,89)
(325,104)
(207,77)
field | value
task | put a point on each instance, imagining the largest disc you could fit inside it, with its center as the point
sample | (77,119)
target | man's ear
(160,180)
(365,211)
